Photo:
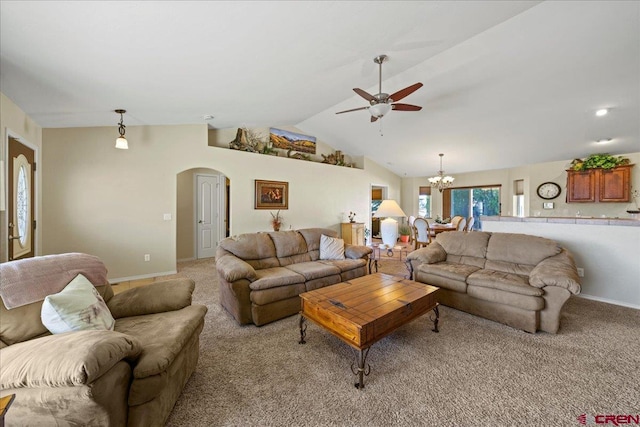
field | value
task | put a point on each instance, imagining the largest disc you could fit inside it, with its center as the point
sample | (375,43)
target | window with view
(424,202)
(473,201)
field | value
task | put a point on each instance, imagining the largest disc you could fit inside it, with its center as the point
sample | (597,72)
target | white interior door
(207,191)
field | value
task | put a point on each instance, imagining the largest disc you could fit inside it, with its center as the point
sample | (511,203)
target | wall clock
(548,190)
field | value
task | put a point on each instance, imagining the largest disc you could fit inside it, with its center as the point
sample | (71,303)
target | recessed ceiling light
(602,112)
(208,116)
(604,141)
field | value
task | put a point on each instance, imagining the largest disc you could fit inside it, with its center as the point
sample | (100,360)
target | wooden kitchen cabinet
(599,185)
(353,233)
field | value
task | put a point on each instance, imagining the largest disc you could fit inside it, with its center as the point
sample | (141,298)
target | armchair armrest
(355,251)
(233,268)
(168,295)
(69,359)
(558,270)
(430,255)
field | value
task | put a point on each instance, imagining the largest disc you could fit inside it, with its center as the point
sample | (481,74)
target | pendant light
(441,181)
(121,141)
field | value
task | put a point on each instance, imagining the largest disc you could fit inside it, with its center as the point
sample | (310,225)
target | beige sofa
(130,376)
(516,279)
(262,274)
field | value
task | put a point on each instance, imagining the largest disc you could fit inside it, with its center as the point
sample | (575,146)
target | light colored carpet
(473,373)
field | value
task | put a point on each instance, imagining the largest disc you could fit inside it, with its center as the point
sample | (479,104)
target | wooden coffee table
(364,310)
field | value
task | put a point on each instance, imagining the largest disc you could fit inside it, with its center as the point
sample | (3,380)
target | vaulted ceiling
(506,83)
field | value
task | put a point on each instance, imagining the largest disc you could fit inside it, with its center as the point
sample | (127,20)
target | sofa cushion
(450,271)
(312,238)
(290,247)
(508,282)
(520,248)
(525,302)
(278,293)
(464,244)
(256,249)
(77,307)
(331,248)
(441,281)
(69,359)
(162,336)
(346,264)
(273,277)
(314,270)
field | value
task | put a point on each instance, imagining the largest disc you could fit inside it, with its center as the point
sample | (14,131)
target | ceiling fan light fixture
(379,110)
(121,141)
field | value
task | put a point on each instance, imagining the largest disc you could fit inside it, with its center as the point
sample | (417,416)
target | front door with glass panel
(21,218)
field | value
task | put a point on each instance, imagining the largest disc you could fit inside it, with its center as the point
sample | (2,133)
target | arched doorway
(202,213)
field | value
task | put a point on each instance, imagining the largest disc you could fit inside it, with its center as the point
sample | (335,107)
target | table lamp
(389,226)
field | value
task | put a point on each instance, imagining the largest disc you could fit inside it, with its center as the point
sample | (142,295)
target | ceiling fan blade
(405,107)
(364,94)
(373,119)
(353,109)
(404,92)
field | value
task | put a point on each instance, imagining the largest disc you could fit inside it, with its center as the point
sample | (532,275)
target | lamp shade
(122,143)
(389,208)
(379,110)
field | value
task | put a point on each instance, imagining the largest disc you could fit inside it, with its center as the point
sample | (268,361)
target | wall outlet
(147,257)
(580,272)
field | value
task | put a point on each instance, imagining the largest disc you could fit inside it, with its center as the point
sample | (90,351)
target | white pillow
(77,307)
(331,248)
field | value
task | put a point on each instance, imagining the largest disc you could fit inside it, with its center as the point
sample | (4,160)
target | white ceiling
(506,83)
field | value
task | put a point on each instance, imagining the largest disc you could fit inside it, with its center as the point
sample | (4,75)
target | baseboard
(186,259)
(609,301)
(142,276)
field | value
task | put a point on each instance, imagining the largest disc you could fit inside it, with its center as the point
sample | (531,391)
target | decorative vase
(276,226)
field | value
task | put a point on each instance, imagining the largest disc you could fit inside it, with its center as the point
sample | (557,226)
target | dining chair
(455,221)
(413,234)
(421,227)
(462,224)
(469,226)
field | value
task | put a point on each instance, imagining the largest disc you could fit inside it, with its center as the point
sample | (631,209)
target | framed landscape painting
(272,194)
(292,141)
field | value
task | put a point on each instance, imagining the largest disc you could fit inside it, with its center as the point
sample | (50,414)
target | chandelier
(441,181)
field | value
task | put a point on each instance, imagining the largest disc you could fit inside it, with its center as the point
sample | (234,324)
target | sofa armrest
(69,359)
(355,251)
(156,297)
(558,270)
(233,268)
(432,254)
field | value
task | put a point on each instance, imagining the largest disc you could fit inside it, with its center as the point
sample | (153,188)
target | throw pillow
(77,307)
(331,247)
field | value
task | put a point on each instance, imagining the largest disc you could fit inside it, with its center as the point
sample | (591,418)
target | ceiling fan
(381,103)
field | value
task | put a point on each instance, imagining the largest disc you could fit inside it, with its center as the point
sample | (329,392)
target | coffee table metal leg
(303,330)
(361,371)
(435,321)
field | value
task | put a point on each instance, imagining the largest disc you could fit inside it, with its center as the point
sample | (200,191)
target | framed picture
(547,205)
(292,141)
(272,194)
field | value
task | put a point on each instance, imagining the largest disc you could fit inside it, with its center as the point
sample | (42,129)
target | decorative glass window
(22,205)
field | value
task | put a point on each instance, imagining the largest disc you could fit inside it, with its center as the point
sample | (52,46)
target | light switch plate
(167,217)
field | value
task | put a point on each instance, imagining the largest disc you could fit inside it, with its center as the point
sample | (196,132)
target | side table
(398,252)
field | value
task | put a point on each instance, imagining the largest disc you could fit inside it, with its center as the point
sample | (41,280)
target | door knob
(200,222)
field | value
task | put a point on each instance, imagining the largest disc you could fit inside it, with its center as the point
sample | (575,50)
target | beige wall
(533,176)
(16,123)
(111,202)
